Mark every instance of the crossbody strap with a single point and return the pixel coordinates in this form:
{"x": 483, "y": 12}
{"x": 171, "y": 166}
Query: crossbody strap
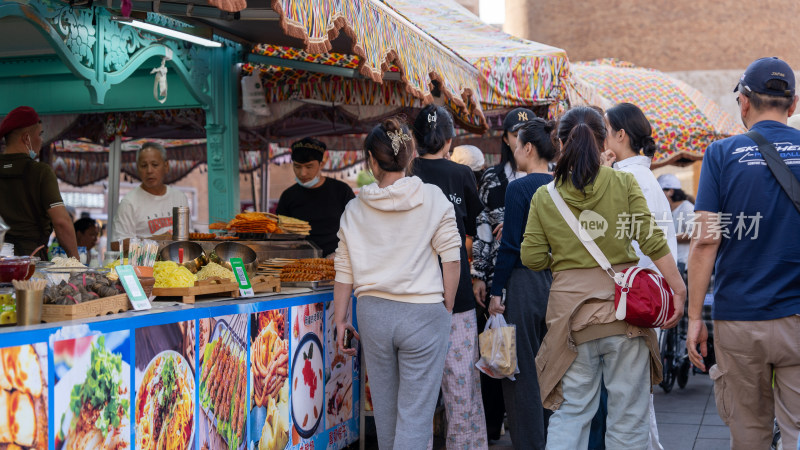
{"x": 575, "y": 226}
{"x": 778, "y": 167}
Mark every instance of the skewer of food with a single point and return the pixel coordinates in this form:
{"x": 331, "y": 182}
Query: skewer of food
{"x": 219, "y": 392}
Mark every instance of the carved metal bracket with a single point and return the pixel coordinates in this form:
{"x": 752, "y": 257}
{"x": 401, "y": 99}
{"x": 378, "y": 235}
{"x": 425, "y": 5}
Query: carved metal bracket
{"x": 75, "y": 33}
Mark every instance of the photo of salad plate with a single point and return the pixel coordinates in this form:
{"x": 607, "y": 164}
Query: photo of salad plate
{"x": 92, "y": 401}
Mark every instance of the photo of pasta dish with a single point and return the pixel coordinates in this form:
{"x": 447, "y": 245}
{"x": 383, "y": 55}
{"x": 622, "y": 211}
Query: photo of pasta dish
{"x": 165, "y": 404}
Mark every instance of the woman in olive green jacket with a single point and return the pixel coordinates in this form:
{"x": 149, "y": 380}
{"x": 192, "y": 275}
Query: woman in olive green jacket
{"x": 585, "y": 342}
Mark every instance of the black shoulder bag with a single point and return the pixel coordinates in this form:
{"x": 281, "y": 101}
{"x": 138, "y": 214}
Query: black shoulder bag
{"x": 782, "y": 173}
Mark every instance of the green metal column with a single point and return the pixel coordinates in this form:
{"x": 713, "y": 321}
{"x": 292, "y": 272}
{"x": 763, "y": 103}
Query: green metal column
{"x": 222, "y": 133}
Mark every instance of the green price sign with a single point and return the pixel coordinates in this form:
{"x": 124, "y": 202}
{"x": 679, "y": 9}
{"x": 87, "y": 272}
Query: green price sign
{"x": 245, "y": 289}
{"x": 133, "y": 288}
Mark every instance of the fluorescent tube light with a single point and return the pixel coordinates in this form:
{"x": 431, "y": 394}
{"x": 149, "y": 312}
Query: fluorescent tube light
{"x": 171, "y": 33}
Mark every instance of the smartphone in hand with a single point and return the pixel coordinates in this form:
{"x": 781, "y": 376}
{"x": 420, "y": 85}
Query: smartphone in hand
{"x": 348, "y": 338}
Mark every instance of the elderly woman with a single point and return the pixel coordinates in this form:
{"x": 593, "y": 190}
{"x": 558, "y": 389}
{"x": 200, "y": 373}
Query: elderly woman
{"x": 147, "y": 210}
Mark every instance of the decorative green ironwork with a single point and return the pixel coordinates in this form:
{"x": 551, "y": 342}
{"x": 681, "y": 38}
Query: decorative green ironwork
{"x": 75, "y": 26}
{"x": 75, "y": 33}
{"x": 104, "y": 53}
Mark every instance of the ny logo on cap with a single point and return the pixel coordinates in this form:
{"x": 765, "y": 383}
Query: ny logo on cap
{"x": 522, "y": 116}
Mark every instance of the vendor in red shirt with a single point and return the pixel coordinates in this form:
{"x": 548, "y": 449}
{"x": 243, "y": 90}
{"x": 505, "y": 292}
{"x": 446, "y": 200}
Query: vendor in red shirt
{"x": 317, "y": 199}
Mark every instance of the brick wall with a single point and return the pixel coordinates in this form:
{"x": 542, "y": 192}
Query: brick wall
{"x": 669, "y": 35}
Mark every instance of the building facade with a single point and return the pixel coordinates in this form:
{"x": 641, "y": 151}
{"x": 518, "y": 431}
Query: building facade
{"x": 706, "y": 43}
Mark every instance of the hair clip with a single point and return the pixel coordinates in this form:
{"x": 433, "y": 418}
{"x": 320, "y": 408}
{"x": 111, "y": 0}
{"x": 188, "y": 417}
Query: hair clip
{"x": 397, "y": 138}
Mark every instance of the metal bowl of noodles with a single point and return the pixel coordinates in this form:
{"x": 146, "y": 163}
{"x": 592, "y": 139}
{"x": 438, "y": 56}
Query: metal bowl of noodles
{"x": 223, "y": 253}
{"x": 193, "y": 255}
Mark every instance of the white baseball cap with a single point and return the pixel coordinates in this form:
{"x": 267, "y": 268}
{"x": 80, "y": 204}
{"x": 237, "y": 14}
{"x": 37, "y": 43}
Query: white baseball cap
{"x": 469, "y": 155}
{"x": 669, "y": 181}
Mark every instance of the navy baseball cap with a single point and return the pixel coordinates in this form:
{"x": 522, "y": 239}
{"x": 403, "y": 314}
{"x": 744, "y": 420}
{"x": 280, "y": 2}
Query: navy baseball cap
{"x": 760, "y": 71}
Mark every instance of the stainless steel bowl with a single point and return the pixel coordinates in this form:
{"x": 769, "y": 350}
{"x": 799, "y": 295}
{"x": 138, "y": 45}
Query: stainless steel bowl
{"x": 193, "y": 255}
{"x": 223, "y": 253}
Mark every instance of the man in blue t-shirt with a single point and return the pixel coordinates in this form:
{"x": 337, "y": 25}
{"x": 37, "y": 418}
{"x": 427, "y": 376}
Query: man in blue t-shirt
{"x": 747, "y": 229}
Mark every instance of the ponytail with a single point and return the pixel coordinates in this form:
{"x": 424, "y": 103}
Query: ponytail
{"x": 629, "y": 117}
{"x": 581, "y": 130}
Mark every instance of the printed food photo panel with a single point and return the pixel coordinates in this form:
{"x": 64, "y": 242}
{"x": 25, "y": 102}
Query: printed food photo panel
{"x": 92, "y": 391}
{"x": 223, "y": 381}
{"x": 269, "y": 370}
{"x": 306, "y": 368}
{"x": 338, "y": 374}
{"x": 165, "y": 386}
{"x": 23, "y": 397}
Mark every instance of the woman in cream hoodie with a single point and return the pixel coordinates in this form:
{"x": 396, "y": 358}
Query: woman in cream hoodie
{"x": 391, "y": 239}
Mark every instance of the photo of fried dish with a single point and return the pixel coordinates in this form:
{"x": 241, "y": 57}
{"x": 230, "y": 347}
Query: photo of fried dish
{"x": 307, "y": 382}
{"x": 269, "y": 369}
{"x": 275, "y": 432}
{"x": 269, "y": 357}
{"x": 223, "y": 384}
{"x": 165, "y": 404}
{"x": 98, "y": 395}
{"x": 23, "y": 397}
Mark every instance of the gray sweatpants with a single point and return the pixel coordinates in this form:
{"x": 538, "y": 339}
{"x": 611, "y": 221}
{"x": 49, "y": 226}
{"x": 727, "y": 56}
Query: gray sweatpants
{"x": 404, "y": 345}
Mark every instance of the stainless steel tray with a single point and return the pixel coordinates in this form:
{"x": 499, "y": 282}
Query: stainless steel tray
{"x": 314, "y": 285}
{"x": 270, "y": 236}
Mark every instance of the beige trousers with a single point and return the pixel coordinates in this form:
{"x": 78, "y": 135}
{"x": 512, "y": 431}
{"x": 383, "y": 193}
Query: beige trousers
{"x": 748, "y": 353}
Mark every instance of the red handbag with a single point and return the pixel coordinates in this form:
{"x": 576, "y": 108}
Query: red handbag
{"x": 642, "y": 297}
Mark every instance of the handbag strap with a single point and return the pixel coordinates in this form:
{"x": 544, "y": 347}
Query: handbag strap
{"x": 575, "y": 226}
{"x": 778, "y": 167}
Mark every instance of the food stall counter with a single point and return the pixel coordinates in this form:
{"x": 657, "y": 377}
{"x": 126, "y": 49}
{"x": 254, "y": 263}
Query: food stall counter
{"x": 260, "y": 372}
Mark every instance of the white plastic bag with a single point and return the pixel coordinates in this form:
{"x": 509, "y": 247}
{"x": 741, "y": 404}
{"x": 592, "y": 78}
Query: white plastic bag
{"x": 498, "y": 345}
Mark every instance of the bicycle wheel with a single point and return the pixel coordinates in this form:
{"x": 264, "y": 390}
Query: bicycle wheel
{"x": 669, "y": 350}
{"x": 683, "y": 373}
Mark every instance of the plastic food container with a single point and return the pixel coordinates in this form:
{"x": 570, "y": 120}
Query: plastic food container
{"x": 15, "y": 268}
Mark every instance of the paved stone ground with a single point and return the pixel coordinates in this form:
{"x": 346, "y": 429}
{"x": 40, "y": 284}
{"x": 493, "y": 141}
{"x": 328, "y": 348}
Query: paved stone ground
{"x": 687, "y": 418}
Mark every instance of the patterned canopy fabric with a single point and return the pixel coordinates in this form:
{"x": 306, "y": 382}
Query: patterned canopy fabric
{"x": 515, "y": 72}
{"x": 282, "y": 84}
{"x": 684, "y": 121}
{"x": 381, "y": 37}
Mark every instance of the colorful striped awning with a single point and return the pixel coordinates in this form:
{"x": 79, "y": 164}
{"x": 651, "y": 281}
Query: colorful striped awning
{"x": 514, "y": 72}
{"x": 381, "y": 38}
{"x": 684, "y": 121}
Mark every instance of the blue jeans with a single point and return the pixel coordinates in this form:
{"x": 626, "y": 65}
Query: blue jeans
{"x": 624, "y": 365}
